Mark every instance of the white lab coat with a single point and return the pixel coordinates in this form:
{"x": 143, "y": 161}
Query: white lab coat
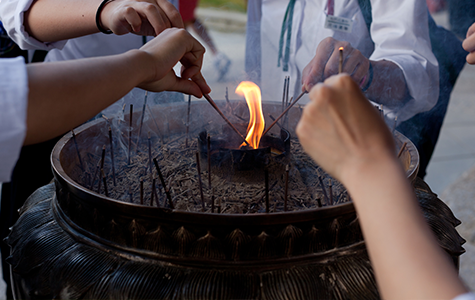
{"x": 399, "y": 31}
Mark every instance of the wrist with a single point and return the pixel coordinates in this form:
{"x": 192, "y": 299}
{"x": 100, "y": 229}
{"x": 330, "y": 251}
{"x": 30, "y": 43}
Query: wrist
{"x": 142, "y": 64}
{"x": 99, "y": 23}
{"x": 372, "y": 168}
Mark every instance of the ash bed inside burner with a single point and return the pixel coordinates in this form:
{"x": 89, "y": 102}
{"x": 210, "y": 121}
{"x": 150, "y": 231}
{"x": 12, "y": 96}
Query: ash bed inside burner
{"x": 236, "y": 184}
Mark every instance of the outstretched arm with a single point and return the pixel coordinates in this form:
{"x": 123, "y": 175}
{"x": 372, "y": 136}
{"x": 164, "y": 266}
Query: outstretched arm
{"x": 343, "y": 133}
{"x": 62, "y": 95}
{"x": 55, "y": 20}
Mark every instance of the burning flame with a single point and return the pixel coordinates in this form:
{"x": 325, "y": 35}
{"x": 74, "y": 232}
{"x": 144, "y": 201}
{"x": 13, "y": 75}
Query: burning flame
{"x": 341, "y": 48}
{"x": 256, "y": 126}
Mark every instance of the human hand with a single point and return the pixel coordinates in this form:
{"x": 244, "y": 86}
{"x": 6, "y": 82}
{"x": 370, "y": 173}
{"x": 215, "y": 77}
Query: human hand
{"x": 469, "y": 44}
{"x": 341, "y": 130}
{"x": 326, "y": 60}
{"x": 142, "y": 17}
{"x": 165, "y": 51}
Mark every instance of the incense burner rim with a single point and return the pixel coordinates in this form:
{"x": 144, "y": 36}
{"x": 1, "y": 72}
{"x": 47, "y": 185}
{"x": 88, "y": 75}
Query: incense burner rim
{"x": 100, "y": 200}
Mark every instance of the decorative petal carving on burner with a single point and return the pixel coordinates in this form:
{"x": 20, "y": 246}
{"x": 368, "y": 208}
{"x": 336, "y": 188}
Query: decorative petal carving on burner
{"x": 288, "y": 238}
{"x": 208, "y": 247}
{"x": 159, "y": 241}
{"x": 184, "y": 238}
{"x": 137, "y": 231}
{"x": 237, "y": 240}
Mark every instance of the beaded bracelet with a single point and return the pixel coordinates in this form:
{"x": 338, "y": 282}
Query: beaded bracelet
{"x": 98, "y": 17}
{"x": 370, "y": 79}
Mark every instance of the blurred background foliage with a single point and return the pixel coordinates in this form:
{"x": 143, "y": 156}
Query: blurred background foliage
{"x": 236, "y": 5}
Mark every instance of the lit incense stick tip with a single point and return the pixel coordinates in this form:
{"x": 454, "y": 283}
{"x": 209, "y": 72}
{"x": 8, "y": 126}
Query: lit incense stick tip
{"x": 340, "y": 65}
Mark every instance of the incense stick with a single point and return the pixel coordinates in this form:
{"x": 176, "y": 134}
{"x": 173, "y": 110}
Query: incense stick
{"x": 402, "y": 149}
{"x": 103, "y": 156}
{"x": 200, "y": 183}
{"x": 330, "y": 191}
{"x": 209, "y": 162}
{"x": 283, "y": 93}
{"x": 150, "y": 153}
{"x": 130, "y": 130}
{"x": 112, "y": 156}
{"x": 213, "y": 104}
{"x": 154, "y": 192}
{"x": 394, "y": 125}
{"x": 226, "y": 96}
{"x": 162, "y": 180}
{"x": 77, "y": 149}
{"x": 188, "y": 121}
{"x": 141, "y": 191}
{"x": 287, "y": 92}
{"x": 284, "y": 112}
{"x": 340, "y": 63}
{"x": 324, "y": 192}
{"x": 286, "y": 191}
{"x": 212, "y": 201}
{"x": 266, "y": 183}
{"x": 151, "y": 193}
{"x": 141, "y": 119}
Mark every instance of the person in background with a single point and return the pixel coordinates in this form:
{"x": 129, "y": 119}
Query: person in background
{"x": 345, "y": 135}
{"x": 44, "y": 100}
{"x": 461, "y": 16}
{"x": 187, "y": 11}
{"x": 387, "y": 49}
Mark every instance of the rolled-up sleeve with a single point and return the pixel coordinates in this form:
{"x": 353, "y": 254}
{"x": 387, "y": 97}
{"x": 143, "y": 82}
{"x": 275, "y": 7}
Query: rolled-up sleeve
{"x": 13, "y": 107}
{"x": 401, "y": 35}
{"x": 12, "y": 13}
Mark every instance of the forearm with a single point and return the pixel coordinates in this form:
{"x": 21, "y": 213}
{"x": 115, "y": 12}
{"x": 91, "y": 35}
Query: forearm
{"x": 55, "y": 20}
{"x": 388, "y": 86}
{"x": 84, "y": 86}
{"x": 408, "y": 264}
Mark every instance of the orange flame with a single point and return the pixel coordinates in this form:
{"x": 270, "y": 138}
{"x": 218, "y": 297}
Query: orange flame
{"x": 256, "y": 126}
{"x": 341, "y": 48}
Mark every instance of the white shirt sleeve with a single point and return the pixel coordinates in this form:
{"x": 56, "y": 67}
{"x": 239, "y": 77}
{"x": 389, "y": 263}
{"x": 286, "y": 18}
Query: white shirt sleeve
{"x": 467, "y": 296}
{"x": 13, "y": 106}
{"x": 401, "y": 34}
{"x": 12, "y": 14}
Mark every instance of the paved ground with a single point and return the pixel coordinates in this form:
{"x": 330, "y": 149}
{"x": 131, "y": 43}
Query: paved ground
{"x": 450, "y": 174}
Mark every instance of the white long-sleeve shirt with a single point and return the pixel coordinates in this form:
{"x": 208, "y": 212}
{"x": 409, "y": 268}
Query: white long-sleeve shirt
{"x": 399, "y": 31}
{"x": 13, "y": 105}
{"x": 12, "y": 16}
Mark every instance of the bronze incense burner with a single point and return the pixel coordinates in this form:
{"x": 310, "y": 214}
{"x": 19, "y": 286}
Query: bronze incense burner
{"x": 72, "y": 242}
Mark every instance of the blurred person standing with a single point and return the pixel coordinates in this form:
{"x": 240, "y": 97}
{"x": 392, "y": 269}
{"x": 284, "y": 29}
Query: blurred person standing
{"x": 187, "y": 10}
